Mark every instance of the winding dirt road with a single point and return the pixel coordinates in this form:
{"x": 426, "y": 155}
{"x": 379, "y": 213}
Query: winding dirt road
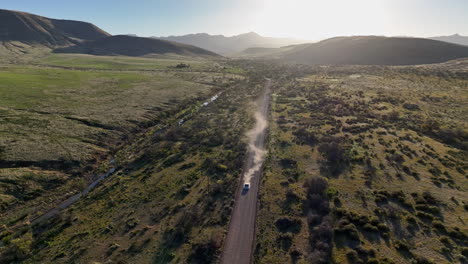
{"x": 238, "y": 246}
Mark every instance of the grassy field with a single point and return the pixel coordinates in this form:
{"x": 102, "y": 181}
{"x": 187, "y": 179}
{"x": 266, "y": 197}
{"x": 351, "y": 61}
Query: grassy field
{"x": 169, "y": 202}
{"x": 366, "y": 165}
{"x": 59, "y": 126}
{"x": 122, "y": 63}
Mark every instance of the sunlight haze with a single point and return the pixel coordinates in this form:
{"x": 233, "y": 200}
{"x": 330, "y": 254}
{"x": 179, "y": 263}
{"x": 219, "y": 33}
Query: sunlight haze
{"x": 302, "y": 19}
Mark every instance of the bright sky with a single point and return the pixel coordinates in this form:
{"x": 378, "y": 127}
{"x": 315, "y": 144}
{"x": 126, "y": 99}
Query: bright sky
{"x": 304, "y": 19}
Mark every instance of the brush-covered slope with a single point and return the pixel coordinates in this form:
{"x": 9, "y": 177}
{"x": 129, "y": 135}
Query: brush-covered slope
{"x": 135, "y": 46}
{"x": 33, "y": 29}
{"x": 373, "y": 50}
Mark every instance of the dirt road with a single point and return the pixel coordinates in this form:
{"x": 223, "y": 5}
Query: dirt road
{"x": 238, "y": 247}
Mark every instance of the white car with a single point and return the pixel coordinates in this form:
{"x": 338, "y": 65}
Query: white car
{"x": 246, "y": 186}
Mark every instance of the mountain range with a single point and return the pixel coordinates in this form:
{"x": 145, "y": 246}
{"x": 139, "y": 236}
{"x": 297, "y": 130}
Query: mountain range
{"x": 456, "y": 39}
{"x": 67, "y": 36}
{"x": 231, "y": 45}
{"x": 366, "y": 50}
{"x": 135, "y": 46}
{"x": 33, "y": 29}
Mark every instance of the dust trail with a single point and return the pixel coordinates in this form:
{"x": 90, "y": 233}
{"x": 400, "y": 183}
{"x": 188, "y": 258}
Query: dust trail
{"x": 258, "y": 153}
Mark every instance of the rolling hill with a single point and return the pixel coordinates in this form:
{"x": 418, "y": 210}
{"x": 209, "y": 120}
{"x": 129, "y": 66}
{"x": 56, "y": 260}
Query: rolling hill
{"x": 231, "y": 45}
{"x": 33, "y": 29}
{"x": 370, "y": 50}
{"x": 135, "y": 46}
{"x": 456, "y": 39}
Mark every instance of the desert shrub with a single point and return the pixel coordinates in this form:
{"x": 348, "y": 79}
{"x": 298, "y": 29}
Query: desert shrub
{"x": 333, "y": 152}
{"x": 393, "y": 116}
{"x": 305, "y": 137}
{"x": 16, "y": 251}
{"x": 287, "y": 224}
{"x": 288, "y": 163}
{"x": 402, "y": 246}
{"x": 205, "y": 252}
{"x": 316, "y": 185}
{"x": 424, "y": 216}
{"x": 411, "y": 219}
{"x": 422, "y": 260}
{"x": 438, "y": 225}
{"x": 320, "y": 223}
{"x": 348, "y": 230}
{"x": 352, "y": 256}
{"x": 457, "y": 234}
{"x": 182, "y": 65}
{"x": 321, "y": 241}
{"x": 411, "y": 107}
{"x": 464, "y": 251}
{"x": 284, "y": 241}
{"x": 380, "y": 198}
{"x": 295, "y": 254}
{"x": 370, "y": 228}
{"x": 428, "y": 209}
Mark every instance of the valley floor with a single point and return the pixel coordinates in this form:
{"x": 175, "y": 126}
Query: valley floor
{"x": 365, "y": 164}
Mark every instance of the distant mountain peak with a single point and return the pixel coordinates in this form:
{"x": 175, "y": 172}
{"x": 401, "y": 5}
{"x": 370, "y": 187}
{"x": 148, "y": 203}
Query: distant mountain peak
{"x": 455, "y": 38}
{"x": 251, "y": 34}
{"x": 231, "y": 45}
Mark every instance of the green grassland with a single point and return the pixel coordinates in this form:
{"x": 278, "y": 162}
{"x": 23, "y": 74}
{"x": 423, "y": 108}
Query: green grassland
{"x": 170, "y": 202}
{"x": 59, "y": 126}
{"x": 161, "y": 62}
{"x": 387, "y": 147}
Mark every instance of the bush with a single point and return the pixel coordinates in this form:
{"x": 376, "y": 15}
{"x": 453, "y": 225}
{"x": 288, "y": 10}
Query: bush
{"x": 349, "y": 230}
{"x": 305, "y": 137}
{"x": 402, "y": 246}
{"x": 286, "y": 224}
{"x": 411, "y": 107}
{"x": 438, "y": 225}
{"x": 16, "y": 251}
{"x": 422, "y": 260}
{"x": 352, "y": 256}
{"x": 464, "y": 251}
{"x": 370, "y": 228}
{"x": 204, "y": 253}
{"x": 316, "y": 185}
{"x": 284, "y": 241}
{"x": 333, "y": 152}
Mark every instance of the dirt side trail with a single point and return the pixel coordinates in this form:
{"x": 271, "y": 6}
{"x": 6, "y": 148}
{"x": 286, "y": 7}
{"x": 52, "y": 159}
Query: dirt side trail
{"x": 238, "y": 247}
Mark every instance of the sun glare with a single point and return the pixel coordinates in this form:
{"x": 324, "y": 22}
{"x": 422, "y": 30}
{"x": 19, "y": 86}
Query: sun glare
{"x": 310, "y": 18}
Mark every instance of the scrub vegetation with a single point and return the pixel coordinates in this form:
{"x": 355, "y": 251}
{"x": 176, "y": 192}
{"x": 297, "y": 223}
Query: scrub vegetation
{"x": 61, "y": 126}
{"x": 367, "y": 165}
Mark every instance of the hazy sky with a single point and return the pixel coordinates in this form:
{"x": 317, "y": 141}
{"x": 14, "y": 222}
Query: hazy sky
{"x": 306, "y": 19}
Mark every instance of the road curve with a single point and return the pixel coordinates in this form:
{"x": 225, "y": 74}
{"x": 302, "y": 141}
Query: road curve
{"x": 238, "y": 246}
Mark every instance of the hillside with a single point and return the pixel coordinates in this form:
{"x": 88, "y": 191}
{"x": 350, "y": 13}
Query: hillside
{"x": 32, "y": 29}
{"x": 372, "y": 50}
{"x": 135, "y": 46}
{"x": 456, "y": 39}
{"x": 230, "y": 45}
